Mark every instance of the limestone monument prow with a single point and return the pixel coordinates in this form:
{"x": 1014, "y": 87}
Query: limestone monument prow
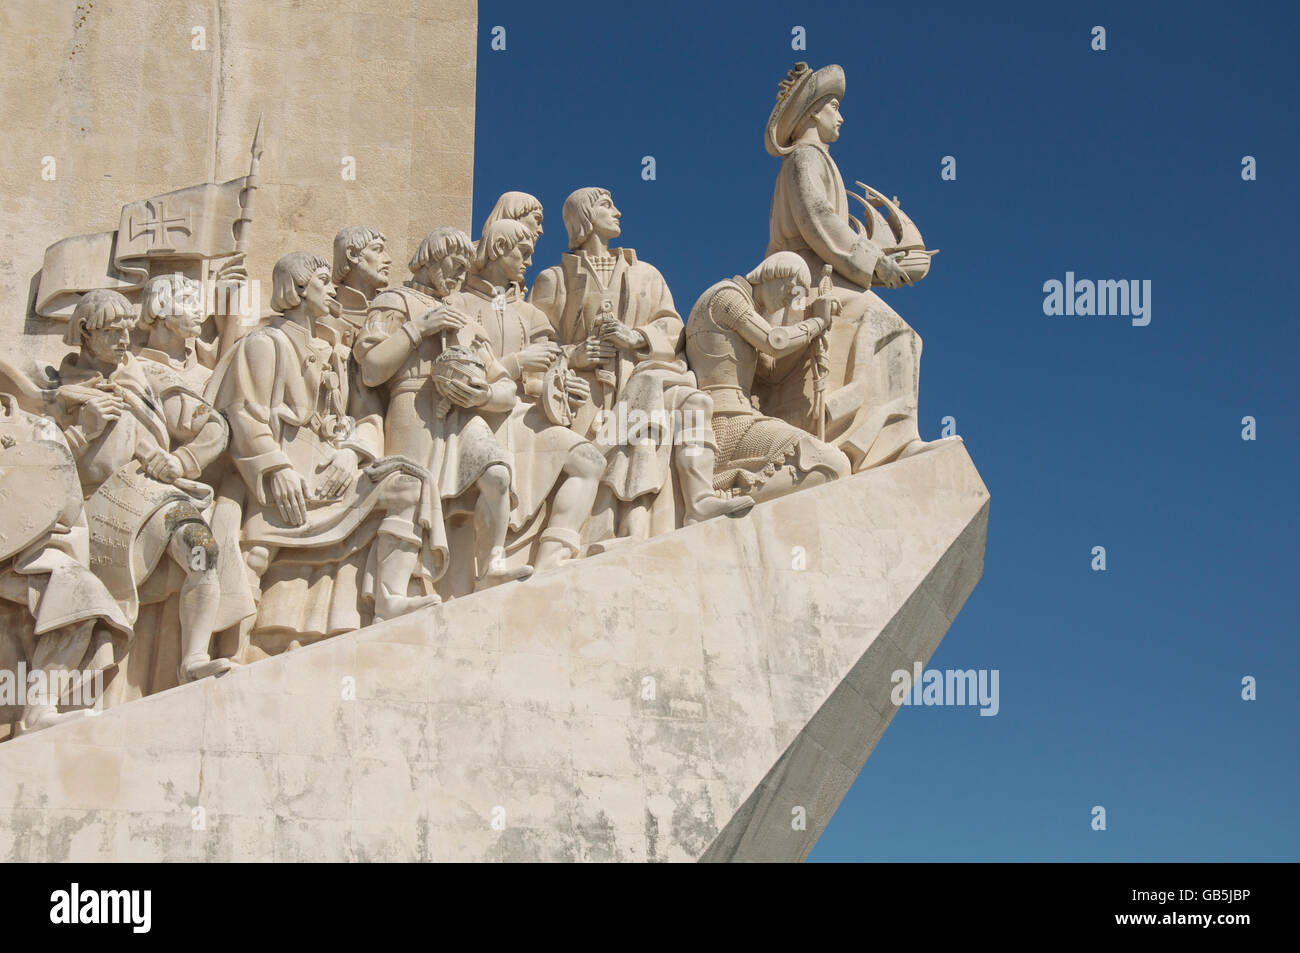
{"x": 546, "y": 530}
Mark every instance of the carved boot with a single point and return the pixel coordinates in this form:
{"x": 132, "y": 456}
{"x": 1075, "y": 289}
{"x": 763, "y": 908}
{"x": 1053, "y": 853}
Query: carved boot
{"x": 695, "y": 471}
{"x": 558, "y": 546}
{"x": 40, "y": 717}
{"x": 497, "y": 573}
{"x": 390, "y": 606}
{"x": 194, "y": 667}
{"x": 397, "y": 557}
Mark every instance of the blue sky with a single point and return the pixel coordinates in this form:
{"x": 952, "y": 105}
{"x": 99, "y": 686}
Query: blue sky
{"x": 1119, "y": 688}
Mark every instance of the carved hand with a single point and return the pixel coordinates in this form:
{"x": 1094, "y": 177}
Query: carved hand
{"x": 591, "y": 353}
{"x": 468, "y": 395}
{"x": 228, "y": 279}
{"x": 338, "y": 476}
{"x": 232, "y": 270}
{"x": 888, "y": 272}
{"x": 539, "y": 356}
{"x": 440, "y": 319}
{"x": 578, "y": 392}
{"x": 289, "y": 490}
{"x": 164, "y": 467}
{"x": 98, "y": 412}
{"x": 621, "y": 336}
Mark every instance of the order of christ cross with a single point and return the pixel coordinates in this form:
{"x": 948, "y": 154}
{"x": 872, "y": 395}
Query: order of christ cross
{"x": 157, "y": 227}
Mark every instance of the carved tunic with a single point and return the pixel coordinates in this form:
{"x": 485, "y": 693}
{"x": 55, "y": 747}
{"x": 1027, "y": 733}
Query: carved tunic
{"x": 875, "y": 355}
{"x": 458, "y": 447}
{"x": 810, "y": 216}
{"x": 653, "y": 381}
{"x": 540, "y": 448}
{"x": 132, "y": 516}
{"x": 287, "y": 398}
{"x": 724, "y": 337}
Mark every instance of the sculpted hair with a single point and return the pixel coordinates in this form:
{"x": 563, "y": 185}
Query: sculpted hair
{"x": 290, "y": 277}
{"x": 162, "y": 297}
{"x": 498, "y": 238}
{"x": 783, "y": 264}
{"x": 97, "y": 309}
{"x": 577, "y": 214}
{"x": 349, "y": 241}
{"x": 513, "y": 205}
{"x": 440, "y": 243}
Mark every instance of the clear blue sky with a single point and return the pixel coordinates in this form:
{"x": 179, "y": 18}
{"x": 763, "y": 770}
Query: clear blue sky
{"x": 1119, "y": 688}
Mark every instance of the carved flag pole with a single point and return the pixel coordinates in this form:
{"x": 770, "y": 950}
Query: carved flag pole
{"x": 249, "y": 193}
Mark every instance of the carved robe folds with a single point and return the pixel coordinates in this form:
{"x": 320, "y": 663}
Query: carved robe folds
{"x": 132, "y": 517}
{"x": 540, "y": 448}
{"x": 458, "y": 447}
{"x": 725, "y": 337}
{"x": 287, "y": 398}
{"x": 653, "y": 384}
{"x": 875, "y": 356}
{"x": 55, "y": 615}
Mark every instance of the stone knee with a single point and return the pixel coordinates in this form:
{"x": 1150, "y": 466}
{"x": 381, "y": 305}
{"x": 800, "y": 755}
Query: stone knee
{"x": 257, "y": 559}
{"x": 400, "y": 491}
{"x": 192, "y": 544}
{"x": 585, "y": 462}
{"x": 495, "y": 480}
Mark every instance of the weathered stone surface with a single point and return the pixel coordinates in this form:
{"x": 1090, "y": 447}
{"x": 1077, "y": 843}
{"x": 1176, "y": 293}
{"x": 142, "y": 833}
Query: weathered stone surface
{"x": 672, "y": 700}
{"x": 115, "y": 93}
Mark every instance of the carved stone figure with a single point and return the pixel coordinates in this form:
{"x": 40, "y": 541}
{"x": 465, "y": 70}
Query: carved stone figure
{"x": 623, "y": 336}
{"x": 413, "y": 335}
{"x": 56, "y": 617}
{"x": 520, "y": 207}
{"x": 867, "y": 400}
{"x": 360, "y": 272}
{"x": 142, "y": 439}
{"x": 727, "y": 337}
{"x": 299, "y": 439}
{"x": 557, "y": 471}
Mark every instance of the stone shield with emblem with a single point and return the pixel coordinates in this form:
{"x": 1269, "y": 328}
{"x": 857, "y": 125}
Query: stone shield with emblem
{"x": 38, "y": 482}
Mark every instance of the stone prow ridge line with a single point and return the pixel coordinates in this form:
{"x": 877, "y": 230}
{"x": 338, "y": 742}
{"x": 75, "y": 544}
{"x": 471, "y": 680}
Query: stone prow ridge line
{"x": 673, "y": 700}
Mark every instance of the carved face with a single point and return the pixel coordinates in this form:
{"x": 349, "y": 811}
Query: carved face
{"x": 183, "y": 311}
{"x": 514, "y": 264}
{"x": 369, "y": 272}
{"x": 533, "y": 220}
{"x": 109, "y": 345}
{"x": 448, "y": 275}
{"x": 777, "y": 294}
{"x": 828, "y": 120}
{"x": 604, "y": 218}
{"x": 318, "y": 293}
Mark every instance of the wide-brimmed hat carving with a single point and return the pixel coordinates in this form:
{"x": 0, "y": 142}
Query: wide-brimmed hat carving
{"x": 796, "y": 95}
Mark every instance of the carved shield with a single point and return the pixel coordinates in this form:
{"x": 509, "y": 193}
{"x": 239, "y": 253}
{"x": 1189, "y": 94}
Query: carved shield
{"x": 38, "y": 481}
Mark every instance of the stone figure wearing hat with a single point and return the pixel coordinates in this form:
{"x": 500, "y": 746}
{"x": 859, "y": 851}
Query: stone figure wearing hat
{"x": 866, "y": 403}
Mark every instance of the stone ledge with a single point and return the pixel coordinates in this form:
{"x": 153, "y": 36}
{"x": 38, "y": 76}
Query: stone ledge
{"x": 670, "y": 701}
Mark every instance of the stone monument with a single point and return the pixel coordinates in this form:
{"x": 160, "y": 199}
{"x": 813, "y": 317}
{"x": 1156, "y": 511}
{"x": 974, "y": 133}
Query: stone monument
{"x": 459, "y": 570}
